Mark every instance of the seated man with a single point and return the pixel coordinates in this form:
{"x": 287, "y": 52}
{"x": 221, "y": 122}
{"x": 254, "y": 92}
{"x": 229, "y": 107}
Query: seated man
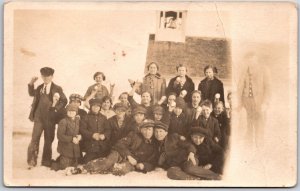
{"x": 178, "y": 156}
{"x": 137, "y": 152}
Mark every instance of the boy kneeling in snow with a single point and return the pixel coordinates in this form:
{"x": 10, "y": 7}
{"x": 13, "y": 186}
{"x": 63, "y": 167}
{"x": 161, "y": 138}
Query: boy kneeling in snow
{"x": 68, "y": 140}
{"x": 137, "y": 151}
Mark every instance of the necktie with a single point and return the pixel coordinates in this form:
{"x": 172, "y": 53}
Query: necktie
{"x": 45, "y": 89}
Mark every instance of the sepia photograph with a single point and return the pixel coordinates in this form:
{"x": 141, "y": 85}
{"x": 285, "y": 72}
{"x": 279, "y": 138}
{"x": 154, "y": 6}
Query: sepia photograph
{"x": 150, "y": 94}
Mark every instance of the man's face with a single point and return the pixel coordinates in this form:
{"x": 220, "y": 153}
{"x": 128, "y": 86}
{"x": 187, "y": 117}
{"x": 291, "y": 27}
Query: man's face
{"x": 181, "y": 71}
{"x": 152, "y": 69}
{"x": 99, "y": 78}
{"x": 197, "y": 139}
{"x": 196, "y": 98}
{"x": 95, "y": 109}
{"x": 157, "y": 116}
{"x": 171, "y": 99}
{"x": 106, "y": 105}
{"x": 124, "y": 98}
{"x": 160, "y": 134}
{"x": 147, "y": 132}
{"x": 146, "y": 99}
{"x": 209, "y": 73}
{"x": 218, "y": 109}
{"x": 177, "y": 111}
{"x": 75, "y": 103}
{"x": 47, "y": 79}
{"x": 71, "y": 114}
{"x": 120, "y": 113}
{"x": 206, "y": 111}
{"x": 139, "y": 118}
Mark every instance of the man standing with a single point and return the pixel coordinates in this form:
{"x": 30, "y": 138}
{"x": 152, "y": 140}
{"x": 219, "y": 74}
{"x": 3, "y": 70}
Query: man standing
{"x": 48, "y": 100}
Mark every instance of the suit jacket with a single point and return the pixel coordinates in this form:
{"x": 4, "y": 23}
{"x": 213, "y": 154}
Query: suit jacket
{"x": 62, "y": 102}
{"x": 211, "y": 126}
{"x": 189, "y": 86}
{"x": 209, "y": 92}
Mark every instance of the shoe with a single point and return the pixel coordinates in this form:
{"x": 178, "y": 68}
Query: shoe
{"x": 31, "y": 164}
{"x": 46, "y": 164}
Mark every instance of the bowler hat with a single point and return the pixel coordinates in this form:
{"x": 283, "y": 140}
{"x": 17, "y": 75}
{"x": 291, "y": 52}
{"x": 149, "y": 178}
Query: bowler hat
{"x": 139, "y": 109}
{"x": 198, "y": 131}
{"x": 161, "y": 125}
{"x": 95, "y": 101}
{"x": 46, "y": 71}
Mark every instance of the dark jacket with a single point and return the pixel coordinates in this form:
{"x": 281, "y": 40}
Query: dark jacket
{"x": 62, "y": 102}
{"x": 179, "y": 125}
{"x": 117, "y": 132}
{"x": 134, "y": 104}
{"x": 176, "y": 150}
{"x": 211, "y": 125}
{"x": 95, "y": 123}
{"x": 224, "y": 124}
{"x": 67, "y": 129}
{"x": 136, "y": 146}
{"x": 189, "y": 86}
{"x": 209, "y": 88}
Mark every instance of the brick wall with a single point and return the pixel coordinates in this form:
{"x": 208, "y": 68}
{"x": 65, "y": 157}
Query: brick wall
{"x": 195, "y": 53}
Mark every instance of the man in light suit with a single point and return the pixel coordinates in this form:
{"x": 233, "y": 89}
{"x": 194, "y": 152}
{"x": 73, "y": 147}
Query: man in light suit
{"x": 253, "y": 94}
{"x": 48, "y": 100}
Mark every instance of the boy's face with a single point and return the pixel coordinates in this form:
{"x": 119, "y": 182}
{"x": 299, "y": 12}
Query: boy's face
{"x": 177, "y": 111}
{"x": 120, "y": 113}
{"x": 209, "y": 73}
{"x": 206, "y": 111}
{"x": 160, "y": 134}
{"x": 106, "y": 105}
{"x": 75, "y": 103}
{"x": 146, "y": 99}
{"x": 71, "y": 114}
{"x": 99, "y": 78}
{"x": 47, "y": 79}
{"x": 152, "y": 69}
{"x": 139, "y": 118}
{"x": 157, "y": 116}
{"x": 196, "y": 98}
{"x": 171, "y": 98}
{"x": 147, "y": 132}
{"x": 218, "y": 109}
{"x": 197, "y": 139}
{"x": 124, "y": 98}
{"x": 95, "y": 109}
{"x": 181, "y": 71}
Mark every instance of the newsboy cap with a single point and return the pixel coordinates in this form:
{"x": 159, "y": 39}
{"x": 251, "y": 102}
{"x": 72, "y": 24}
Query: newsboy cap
{"x": 180, "y": 102}
{"x": 75, "y": 97}
{"x": 139, "y": 109}
{"x": 161, "y": 125}
{"x": 46, "y": 71}
{"x": 147, "y": 123}
{"x": 120, "y": 106}
{"x": 198, "y": 131}
{"x": 158, "y": 109}
{"x": 95, "y": 101}
{"x": 71, "y": 108}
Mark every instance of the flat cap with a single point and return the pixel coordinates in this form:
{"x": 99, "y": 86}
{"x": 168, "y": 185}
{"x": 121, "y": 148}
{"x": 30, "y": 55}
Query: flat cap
{"x": 46, "y": 71}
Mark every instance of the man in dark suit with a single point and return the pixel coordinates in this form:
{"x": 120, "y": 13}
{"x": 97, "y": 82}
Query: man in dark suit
{"x": 211, "y": 87}
{"x": 48, "y": 100}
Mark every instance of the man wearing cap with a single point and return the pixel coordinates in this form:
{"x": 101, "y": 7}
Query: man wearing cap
{"x": 178, "y": 119}
{"x": 68, "y": 140}
{"x": 174, "y": 153}
{"x": 119, "y": 124}
{"x": 138, "y": 114}
{"x": 95, "y": 132}
{"x": 137, "y": 151}
{"x": 209, "y": 155}
{"x": 159, "y": 114}
{"x": 48, "y": 100}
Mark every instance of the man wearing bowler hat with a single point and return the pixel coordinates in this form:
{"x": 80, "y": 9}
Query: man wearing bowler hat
{"x": 48, "y": 100}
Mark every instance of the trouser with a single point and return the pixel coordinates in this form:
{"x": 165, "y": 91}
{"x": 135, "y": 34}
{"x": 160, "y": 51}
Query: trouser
{"x": 255, "y": 126}
{"x": 33, "y": 148}
{"x": 93, "y": 155}
{"x": 63, "y": 162}
{"x": 191, "y": 172}
{"x": 107, "y": 165}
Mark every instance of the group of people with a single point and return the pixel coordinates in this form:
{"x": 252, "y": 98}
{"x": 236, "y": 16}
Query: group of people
{"x": 174, "y": 127}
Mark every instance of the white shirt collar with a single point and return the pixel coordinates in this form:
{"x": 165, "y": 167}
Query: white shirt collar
{"x": 48, "y": 87}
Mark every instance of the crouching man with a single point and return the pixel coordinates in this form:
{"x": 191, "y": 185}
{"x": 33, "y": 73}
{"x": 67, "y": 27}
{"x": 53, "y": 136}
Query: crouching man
{"x": 137, "y": 151}
{"x": 178, "y": 157}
